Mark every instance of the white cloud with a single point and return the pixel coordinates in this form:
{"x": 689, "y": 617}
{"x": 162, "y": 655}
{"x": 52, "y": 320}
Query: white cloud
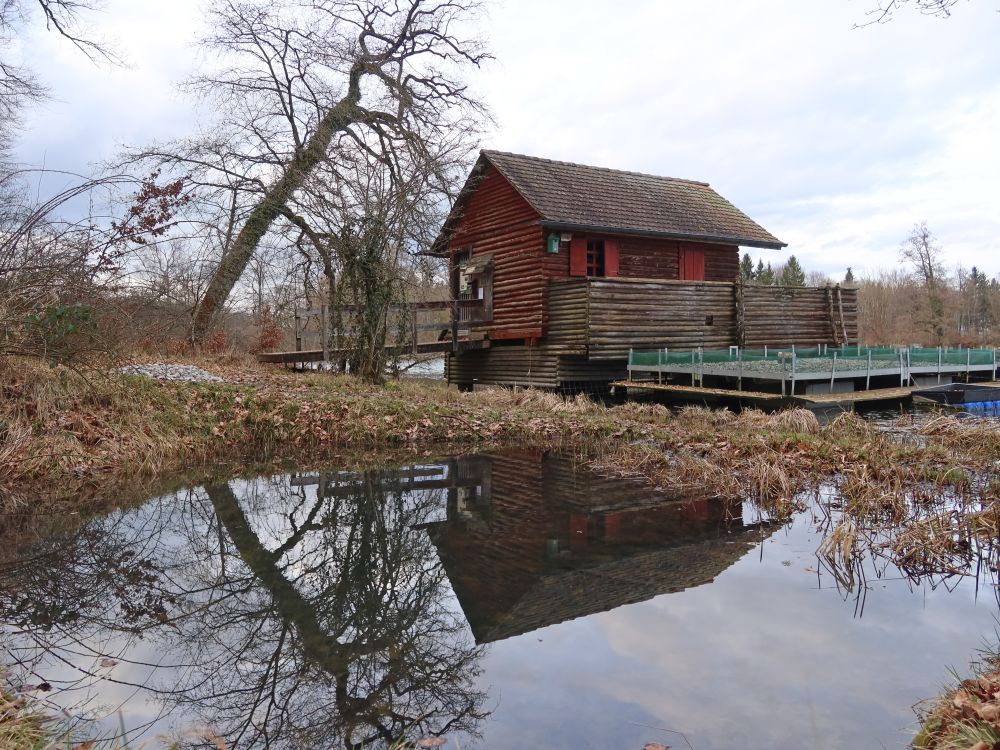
{"x": 836, "y": 139}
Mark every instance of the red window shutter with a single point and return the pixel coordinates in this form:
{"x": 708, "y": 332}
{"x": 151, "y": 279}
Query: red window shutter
{"x": 578, "y": 257}
{"x": 610, "y": 258}
{"x": 692, "y": 264}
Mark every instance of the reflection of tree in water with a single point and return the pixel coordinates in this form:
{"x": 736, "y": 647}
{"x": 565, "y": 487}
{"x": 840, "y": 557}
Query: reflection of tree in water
{"x": 307, "y": 619}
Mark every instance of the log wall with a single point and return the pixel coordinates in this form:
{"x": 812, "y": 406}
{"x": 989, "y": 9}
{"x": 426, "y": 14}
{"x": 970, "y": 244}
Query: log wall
{"x": 498, "y": 220}
{"x": 806, "y": 316}
{"x": 623, "y": 315}
{"x": 530, "y": 366}
{"x": 593, "y": 323}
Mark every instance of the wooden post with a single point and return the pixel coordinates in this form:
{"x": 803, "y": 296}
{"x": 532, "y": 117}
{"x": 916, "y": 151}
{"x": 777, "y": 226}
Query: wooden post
{"x": 739, "y": 357}
{"x": 454, "y": 326}
{"x": 298, "y": 331}
{"x": 840, "y": 305}
{"x": 868, "y": 377}
{"x": 741, "y": 323}
{"x": 323, "y": 333}
{"x": 833, "y": 321}
{"x": 413, "y": 326}
{"x": 833, "y": 375}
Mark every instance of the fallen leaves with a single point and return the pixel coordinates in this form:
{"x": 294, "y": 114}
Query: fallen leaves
{"x": 430, "y": 742}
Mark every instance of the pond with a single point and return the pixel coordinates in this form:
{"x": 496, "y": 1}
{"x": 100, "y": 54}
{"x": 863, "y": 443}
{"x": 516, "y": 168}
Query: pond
{"x": 501, "y": 601}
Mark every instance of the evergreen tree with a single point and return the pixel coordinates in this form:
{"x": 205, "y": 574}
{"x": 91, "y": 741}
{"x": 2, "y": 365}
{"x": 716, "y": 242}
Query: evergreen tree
{"x": 792, "y": 274}
{"x": 983, "y": 309}
{"x": 765, "y": 275}
{"x": 746, "y": 268}
{"x": 758, "y": 272}
{"x": 849, "y": 276}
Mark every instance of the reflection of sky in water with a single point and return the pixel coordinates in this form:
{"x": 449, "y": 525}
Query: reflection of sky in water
{"x": 762, "y": 657}
{"x": 768, "y": 655}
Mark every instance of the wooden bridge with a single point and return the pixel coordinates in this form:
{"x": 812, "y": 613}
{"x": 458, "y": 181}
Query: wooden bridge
{"x": 426, "y": 328}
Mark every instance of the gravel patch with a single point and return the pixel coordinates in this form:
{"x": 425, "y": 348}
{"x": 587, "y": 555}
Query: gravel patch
{"x": 166, "y": 371}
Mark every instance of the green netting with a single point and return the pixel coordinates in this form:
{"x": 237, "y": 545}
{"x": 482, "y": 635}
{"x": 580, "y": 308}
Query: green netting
{"x": 682, "y": 358}
{"x": 953, "y": 357}
{"x": 644, "y": 358}
{"x": 812, "y": 359}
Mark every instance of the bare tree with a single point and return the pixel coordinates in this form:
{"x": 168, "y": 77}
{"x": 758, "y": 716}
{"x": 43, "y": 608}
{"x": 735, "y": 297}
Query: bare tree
{"x": 285, "y": 617}
{"x": 323, "y": 83}
{"x": 923, "y": 253}
{"x": 884, "y": 11}
{"x": 53, "y": 269}
{"x": 18, "y": 84}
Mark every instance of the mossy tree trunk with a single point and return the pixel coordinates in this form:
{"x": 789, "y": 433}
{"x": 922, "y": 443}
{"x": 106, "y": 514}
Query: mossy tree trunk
{"x": 272, "y": 204}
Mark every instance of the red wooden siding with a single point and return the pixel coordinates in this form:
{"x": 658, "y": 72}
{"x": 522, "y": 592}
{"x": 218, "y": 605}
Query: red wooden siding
{"x": 498, "y": 220}
{"x": 650, "y": 258}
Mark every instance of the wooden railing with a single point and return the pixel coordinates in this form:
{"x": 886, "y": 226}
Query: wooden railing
{"x": 411, "y": 325}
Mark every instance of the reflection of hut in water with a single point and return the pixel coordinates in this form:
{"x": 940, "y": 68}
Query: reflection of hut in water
{"x": 534, "y": 543}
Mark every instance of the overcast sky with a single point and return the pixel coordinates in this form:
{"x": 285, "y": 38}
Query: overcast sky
{"x": 836, "y": 139}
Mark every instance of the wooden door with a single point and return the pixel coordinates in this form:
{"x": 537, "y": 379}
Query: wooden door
{"x": 691, "y": 265}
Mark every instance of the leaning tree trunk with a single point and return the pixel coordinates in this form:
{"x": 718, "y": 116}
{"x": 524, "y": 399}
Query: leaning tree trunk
{"x": 236, "y": 257}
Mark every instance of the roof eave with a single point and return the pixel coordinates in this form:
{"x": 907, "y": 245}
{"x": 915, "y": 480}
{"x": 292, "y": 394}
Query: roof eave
{"x": 692, "y": 236}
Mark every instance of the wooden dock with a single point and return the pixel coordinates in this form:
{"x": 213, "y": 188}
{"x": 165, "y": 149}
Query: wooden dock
{"x": 773, "y": 400}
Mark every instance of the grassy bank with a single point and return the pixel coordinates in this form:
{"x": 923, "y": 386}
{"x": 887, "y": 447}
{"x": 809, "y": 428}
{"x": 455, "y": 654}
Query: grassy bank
{"x": 967, "y": 716}
{"x": 66, "y": 437}
{"x": 920, "y": 494}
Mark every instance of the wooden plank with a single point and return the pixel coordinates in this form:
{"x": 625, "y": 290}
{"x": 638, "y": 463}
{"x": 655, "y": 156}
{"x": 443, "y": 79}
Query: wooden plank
{"x": 698, "y": 392}
{"x": 876, "y": 394}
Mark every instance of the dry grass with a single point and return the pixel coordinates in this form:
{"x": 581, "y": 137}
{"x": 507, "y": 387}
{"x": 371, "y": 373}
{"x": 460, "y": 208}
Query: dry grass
{"x": 61, "y": 434}
{"x": 967, "y": 716}
{"x": 23, "y": 726}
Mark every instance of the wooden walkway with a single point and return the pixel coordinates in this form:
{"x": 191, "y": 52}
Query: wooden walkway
{"x": 317, "y": 355}
{"x": 455, "y": 331}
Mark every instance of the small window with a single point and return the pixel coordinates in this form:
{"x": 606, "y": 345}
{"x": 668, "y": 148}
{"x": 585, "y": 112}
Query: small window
{"x": 595, "y": 257}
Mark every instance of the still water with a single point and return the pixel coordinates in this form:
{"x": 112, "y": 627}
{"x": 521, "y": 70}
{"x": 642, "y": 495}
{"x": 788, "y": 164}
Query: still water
{"x": 499, "y": 601}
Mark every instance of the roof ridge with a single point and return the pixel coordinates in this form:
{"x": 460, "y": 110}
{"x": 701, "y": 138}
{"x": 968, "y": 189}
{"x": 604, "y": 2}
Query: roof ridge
{"x": 487, "y": 152}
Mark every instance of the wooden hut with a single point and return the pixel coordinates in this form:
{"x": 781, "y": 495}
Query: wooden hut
{"x": 539, "y": 542}
{"x": 564, "y": 268}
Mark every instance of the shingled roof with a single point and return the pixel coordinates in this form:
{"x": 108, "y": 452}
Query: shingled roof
{"x": 577, "y": 197}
